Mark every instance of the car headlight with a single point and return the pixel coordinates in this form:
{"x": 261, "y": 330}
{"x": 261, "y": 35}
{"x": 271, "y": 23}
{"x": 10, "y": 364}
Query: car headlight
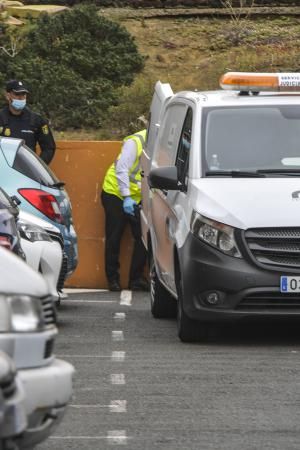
{"x": 20, "y": 313}
{"x": 214, "y": 233}
{"x": 32, "y": 232}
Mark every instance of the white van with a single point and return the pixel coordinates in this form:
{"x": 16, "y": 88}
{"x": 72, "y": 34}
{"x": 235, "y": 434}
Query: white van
{"x": 13, "y": 420}
{"x": 221, "y": 221}
{"x": 27, "y": 336}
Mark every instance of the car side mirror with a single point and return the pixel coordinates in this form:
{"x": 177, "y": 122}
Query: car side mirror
{"x": 164, "y": 178}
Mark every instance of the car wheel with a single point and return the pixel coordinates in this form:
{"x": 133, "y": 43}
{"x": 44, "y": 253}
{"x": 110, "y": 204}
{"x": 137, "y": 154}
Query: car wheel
{"x": 163, "y": 305}
{"x": 188, "y": 330}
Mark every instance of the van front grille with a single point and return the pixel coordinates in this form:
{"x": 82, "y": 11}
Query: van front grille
{"x": 48, "y": 348}
{"x": 63, "y": 272}
{"x": 8, "y": 386}
{"x": 270, "y": 301}
{"x": 275, "y": 246}
{"x": 49, "y": 312}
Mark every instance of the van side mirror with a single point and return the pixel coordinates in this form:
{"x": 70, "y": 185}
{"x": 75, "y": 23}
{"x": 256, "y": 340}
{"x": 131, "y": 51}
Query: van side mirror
{"x": 164, "y": 178}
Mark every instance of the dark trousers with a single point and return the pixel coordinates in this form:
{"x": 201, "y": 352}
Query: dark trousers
{"x": 115, "y": 223}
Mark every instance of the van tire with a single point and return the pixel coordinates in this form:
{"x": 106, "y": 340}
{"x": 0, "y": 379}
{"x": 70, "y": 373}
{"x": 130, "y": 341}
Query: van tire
{"x": 188, "y": 330}
{"x": 163, "y": 305}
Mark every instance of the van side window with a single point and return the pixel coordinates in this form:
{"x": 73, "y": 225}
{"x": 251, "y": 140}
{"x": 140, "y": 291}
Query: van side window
{"x": 169, "y": 135}
{"x": 183, "y": 154}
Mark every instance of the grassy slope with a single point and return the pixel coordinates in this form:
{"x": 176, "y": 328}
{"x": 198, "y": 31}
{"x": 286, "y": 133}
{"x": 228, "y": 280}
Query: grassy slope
{"x": 192, "y": 52}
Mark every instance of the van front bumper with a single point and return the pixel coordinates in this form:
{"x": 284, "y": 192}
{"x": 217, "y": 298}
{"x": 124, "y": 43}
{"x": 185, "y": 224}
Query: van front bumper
{"x": 47, "y": 393}
{"x": 244, "y": 289}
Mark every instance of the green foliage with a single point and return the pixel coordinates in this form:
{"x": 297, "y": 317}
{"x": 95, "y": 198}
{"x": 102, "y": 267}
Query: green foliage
{"x": 133, "y": 103}
{"x": 73, "y": 63}
{"x": 160, "y": 3}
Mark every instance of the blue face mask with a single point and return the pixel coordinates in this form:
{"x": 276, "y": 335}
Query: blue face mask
{"x": 18, "y": 104}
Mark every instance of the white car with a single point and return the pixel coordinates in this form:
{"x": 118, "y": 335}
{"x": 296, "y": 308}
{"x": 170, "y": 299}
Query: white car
{"x": 42, "y": 244}
{"x": 221, "y": 218}
{"x": 27, "y": 335}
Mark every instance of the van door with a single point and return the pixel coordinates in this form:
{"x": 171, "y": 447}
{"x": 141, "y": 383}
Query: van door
{"x": 163, "y": 215}
{"x": 162, "y": 92}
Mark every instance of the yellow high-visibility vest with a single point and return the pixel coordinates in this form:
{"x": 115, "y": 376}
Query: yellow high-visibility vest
{"x": 110, "y": 184}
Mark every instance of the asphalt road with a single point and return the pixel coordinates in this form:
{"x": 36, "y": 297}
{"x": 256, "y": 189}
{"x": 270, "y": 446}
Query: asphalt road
{"x": 139, "y": 387}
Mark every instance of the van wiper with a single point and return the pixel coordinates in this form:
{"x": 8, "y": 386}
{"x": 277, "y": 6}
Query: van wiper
{"x": 289, "y": 172}
{"x": 58, "y": 185}
{"x": 235, "y": 173}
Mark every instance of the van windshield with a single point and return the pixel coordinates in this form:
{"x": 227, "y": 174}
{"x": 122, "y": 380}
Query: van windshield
{"x": 251, "y": 138}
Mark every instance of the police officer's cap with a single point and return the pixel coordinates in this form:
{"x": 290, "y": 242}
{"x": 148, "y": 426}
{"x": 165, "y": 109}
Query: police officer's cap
{"x": 16, "y": 86}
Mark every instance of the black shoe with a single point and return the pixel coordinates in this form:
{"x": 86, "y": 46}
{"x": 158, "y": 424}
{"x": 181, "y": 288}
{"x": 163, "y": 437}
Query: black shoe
{"x": 114, "y": 286}
{"x": 139, "y": 285}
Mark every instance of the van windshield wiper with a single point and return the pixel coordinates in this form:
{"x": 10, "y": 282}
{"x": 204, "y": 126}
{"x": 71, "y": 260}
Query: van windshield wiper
{"x": 235, "y": 173}
{"x": 289, "y": 172}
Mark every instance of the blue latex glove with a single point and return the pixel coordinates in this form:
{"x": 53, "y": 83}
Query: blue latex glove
{"x": 128, "y": 205}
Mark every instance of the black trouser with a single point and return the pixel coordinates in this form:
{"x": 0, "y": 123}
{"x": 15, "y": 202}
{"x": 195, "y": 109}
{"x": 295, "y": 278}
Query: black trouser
{"x": 115, "y": 223}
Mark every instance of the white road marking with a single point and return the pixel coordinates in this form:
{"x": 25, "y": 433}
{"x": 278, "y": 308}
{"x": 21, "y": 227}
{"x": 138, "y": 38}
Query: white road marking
{"x": 89, "y": 301}
{"x": 126, "y": 298}
{"x": 114, "y": 437}
{"x": 117, "y": 378}
{"x": 117, "y": 437}
{"x": 118, "y": 356}
{"x": 119, "y": 406}
{"x": 120, "y": 316}
{"x": 78, "y": 437}
{"x": 80, "y": 291}
{"x": 89, "y": 406}
{"x": 84, "y": 356}
{"x": 117, "y": 335}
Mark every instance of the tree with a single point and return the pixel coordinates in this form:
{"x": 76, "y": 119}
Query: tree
{"x": 73, "y": 63}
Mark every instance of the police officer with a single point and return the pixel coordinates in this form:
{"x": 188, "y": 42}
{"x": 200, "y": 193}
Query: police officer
{"x": 18, "y": 121}
{"x": 121, "y": 195}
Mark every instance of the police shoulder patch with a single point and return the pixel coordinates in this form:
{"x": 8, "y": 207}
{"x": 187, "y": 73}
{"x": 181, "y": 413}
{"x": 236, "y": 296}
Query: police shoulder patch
{"x": 45, "y": 129}
{"x": 7, "y": 132}
{"x": 1, "y": 130}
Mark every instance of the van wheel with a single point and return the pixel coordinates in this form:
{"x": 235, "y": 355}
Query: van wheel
{"x": 188, "y": 330}
{"x": 163, "y": 305}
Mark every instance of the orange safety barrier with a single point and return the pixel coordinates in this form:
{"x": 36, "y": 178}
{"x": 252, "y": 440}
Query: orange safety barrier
{"x": 82, "y": 166}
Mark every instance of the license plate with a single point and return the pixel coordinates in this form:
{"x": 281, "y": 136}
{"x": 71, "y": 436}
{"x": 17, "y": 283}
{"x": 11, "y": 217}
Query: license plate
{"x": 289, "y": 284}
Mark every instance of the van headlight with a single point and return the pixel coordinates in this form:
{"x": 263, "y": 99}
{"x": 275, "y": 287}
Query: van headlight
{"x": 20, "y": 313}
{"x": 215, "y": 233}
{"x": 32, "y": 232}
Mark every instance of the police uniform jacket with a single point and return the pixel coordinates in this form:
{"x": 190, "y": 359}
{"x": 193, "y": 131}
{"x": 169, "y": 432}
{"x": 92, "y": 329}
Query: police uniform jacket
{"x": 30, "y": 127}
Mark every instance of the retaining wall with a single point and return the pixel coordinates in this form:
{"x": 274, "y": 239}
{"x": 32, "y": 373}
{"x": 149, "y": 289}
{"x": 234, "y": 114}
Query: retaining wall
{"x": 82, "y": 166}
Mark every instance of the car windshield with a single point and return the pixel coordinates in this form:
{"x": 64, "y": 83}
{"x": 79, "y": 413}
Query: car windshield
{"x": 251, "y": 138}
{"x": 33, "y": 167}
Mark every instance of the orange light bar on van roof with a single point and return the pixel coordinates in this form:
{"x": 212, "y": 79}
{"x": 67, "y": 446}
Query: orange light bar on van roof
{"x": 255, "y": 82}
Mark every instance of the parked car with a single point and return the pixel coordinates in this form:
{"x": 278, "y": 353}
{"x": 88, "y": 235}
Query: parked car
{"x": 221, "y": 220}
{"x": 24, "y": 175}
{"x": 38, "y": 241}
{"x": 27, "y": 335}
{"x": 42, "y": 243}
{"x": 13, "y": 420}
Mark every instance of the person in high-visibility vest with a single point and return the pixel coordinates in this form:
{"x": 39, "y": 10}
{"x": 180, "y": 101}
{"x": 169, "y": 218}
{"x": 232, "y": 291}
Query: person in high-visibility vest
{"x": 121, "y": 197}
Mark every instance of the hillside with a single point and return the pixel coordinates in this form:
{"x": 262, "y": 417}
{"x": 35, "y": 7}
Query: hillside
{"x": 190, "y": 50}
